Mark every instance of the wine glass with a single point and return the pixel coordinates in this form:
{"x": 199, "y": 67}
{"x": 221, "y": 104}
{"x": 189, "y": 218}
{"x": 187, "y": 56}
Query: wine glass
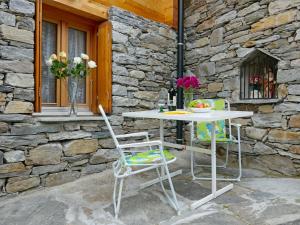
{"x": 161, "y": 104}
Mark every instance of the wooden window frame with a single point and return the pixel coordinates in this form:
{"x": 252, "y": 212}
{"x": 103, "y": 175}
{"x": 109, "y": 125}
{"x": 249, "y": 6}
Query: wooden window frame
{"x": 62, "y": 45}
{"x": 100, "y": 79}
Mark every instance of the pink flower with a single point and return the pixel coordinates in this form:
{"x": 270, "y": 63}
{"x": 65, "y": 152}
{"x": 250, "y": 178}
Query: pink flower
{"x": 194, "y": 82}
{"x": 180, "y": 82}
{"x": 188, "y": 82}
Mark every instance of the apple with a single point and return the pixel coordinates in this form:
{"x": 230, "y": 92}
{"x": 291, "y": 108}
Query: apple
{"x": 200, "y": 105}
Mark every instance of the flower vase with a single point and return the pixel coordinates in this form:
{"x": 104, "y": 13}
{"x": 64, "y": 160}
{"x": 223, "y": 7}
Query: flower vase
{"x": 188, "y": 97}
{"x": 73, "y": 89}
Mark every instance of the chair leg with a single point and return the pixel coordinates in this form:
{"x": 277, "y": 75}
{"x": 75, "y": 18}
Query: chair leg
{"x": 227, "y": 153}
{"x": 162, "y": 171}
{"x": 117, "y": 202}
{"x": 160, "y": 179}
{"x": 172, "y": 187}
{"x": 239, "y": 156}
{"x": 192, "y": 165}
{"x": 224, "y": 165}
{"x": 238, "y": 178}
{"x": 173, "y": 201}
{"x": 114, "y": 196}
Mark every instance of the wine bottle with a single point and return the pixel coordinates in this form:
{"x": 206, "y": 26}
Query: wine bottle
{"x": 171, "y": 97}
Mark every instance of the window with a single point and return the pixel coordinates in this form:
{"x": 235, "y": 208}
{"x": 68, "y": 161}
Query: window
{"x": 63, "y": 31}
{"x": 258, "y": 76}
{"x": 73, "y": 38}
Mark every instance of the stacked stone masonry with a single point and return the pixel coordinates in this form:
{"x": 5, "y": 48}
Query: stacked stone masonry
{"x": 34, "y": 153}
{"x": 219, "y": 35}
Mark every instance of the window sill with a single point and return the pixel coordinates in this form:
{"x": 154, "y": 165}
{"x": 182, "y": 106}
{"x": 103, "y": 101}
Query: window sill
{"x": 257, "y": 101}
{"x": 60, "y": 114}
{"x": 53, "y": 110}
{"x": 53, "y": 119}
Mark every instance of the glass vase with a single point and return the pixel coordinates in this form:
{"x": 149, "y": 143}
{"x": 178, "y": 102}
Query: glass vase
{"x": 188, "y": 97}
{"x": 73, "y": 90}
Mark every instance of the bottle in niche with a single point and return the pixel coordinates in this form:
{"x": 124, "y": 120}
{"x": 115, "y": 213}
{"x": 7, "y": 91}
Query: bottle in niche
{"x": 172, "y": 97}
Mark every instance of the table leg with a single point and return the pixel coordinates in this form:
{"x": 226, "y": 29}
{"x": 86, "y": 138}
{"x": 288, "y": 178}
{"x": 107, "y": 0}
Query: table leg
{"x": 161, "y": 130}
{"x": 192, "y": 152}
{"x": 214, "y": 192}
{"x": 161, "y": 135}
{"x": 213, "y": 160}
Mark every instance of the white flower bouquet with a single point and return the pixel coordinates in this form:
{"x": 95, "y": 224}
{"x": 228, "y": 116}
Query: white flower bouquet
{"x": 61, "y": 67}
{"x": 77, "y": 69}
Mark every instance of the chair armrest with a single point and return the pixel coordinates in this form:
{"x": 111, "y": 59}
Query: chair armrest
{"x": 237, "y": 125}
{"x": 132, "y": 135}
{"x": 140, "y": 144}
{"x": 133, "y": 151}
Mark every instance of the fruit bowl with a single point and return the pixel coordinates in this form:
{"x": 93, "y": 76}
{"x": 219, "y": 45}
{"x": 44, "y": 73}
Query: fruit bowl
{"x": 201, "y": 110}
{"x": 198, "y": 106}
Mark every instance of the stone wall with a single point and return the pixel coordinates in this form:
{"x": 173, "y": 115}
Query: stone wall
{"x": 219, "y": 34}
{"x": 16, "y": 57}
{"x": 37, "y": 152}
{"x": 144, "y": 60}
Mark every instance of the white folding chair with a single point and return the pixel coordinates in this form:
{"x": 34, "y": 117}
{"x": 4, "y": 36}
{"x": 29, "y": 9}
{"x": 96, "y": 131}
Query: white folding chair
{"x": 133, "y": 160}
{"x": 203, "y": 135}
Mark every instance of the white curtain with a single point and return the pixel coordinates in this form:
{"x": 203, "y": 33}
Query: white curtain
{"x": 77, "y": 45}
{"x": 49, "y": 46}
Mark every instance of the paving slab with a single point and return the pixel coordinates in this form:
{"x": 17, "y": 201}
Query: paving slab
{"x": 88, "y": 201}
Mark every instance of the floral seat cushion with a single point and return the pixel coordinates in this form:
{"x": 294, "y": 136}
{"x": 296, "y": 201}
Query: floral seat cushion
{"x": 204, "y": 131}
{"x": 148, "y": 157}
{"x": 204, "y": 128}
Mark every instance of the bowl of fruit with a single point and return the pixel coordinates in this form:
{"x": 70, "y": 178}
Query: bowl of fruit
{"x": 199, "y": 107}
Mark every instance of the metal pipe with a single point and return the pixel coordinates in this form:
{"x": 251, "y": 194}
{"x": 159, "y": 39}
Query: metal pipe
{"x": 180, "y": 67}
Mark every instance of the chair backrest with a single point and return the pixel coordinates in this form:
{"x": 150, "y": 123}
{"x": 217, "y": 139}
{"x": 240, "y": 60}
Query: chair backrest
{"x": 204, "y": 128}
{"x": 112, "y": 133}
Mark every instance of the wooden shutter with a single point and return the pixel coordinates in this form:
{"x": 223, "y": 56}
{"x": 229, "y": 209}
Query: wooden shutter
{"x": 38, "y": 55}
{"x": 104, "y": 67}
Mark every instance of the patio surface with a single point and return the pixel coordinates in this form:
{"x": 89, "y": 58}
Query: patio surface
{"x": 87, "y": 201}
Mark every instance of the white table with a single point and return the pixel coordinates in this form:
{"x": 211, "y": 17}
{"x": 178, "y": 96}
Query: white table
{"x": 212, "y": 117}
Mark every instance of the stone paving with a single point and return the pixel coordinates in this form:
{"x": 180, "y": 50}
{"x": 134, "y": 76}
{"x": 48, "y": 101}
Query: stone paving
{"x": 255, "y": 200}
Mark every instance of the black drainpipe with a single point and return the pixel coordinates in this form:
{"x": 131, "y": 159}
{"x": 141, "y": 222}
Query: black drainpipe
{"x": 180, "y": 67}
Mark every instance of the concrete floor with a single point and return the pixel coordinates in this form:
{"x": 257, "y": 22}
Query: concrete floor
{"x": 255, "y": 200}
